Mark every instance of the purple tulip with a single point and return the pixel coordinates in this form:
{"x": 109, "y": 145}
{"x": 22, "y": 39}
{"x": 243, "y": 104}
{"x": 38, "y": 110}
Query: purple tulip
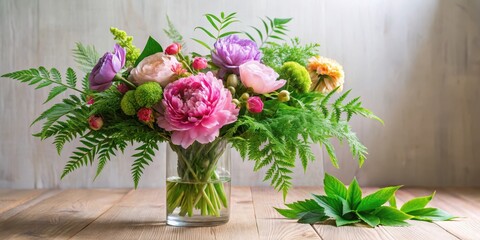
{"x": 107, "y": 67}
{"x": 230, "y": 52}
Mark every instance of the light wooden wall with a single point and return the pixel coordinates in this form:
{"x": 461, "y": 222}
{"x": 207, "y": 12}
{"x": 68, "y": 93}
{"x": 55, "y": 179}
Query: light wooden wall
{"x": 415, "y": 63}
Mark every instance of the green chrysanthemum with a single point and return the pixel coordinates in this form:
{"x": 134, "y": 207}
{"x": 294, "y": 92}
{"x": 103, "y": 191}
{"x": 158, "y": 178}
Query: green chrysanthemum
{"x": 125, "y": 41}
{"x": 129, "y": 104}
{"x": 148, "y": 94}
{"x": 297, "y": 76}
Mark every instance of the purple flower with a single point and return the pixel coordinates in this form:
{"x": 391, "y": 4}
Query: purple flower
{"x": 107, "y": 67}
{"x": 230, "y": 52}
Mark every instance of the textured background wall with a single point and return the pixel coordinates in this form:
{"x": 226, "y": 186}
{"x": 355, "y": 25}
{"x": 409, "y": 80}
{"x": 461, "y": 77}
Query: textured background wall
{"x": 415, "y": 63}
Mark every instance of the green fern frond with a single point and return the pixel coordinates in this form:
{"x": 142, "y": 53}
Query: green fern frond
{"x": 173, "y": 33}
{"x": 143, "y": 157}
{"x": 85, "y": 56}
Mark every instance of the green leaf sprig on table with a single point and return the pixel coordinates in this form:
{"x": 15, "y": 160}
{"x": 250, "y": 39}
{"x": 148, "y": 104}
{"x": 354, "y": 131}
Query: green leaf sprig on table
{"x": 346, "y": 206}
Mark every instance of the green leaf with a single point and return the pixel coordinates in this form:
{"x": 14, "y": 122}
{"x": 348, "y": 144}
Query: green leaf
{"x": 150, "y": 48}
{"x": 369, "y": 218}
{"x": 333, "y": 206}
{"x": 431, "y": 214}
{"x": 354, "y": 194}
{"x": 227, "y": 33}
{"x": 392, "y": 201}
{"x": 71, "y": 78}
{"x": 296, "y": 209}
{"x": 342, "y": 222}
{"x": 334, "y": 187}
{"x": 209, "y": 18}
{"x": 206, "y": 31}
{"x": 377, "y": 198}
{"x": 390, "y": 216}
{"x": 202, "y": 43}
{"x": 55, "y": 91}
{"x": 313, "y": 216}
{"x": 416, "y": 203}
{"x": 281, "y": 21}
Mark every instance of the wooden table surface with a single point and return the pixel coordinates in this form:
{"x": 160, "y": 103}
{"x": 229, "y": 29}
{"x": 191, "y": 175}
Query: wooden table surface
{"x": 140, "y": 214}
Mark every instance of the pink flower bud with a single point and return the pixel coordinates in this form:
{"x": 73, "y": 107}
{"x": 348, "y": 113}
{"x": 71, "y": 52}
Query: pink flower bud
{"x": 145, "y": 115}
{"x": 90, "y": 100}
{"x": 95, "y": 122}
{"x": 122, "y": 88}
{"x": 255, "y": 104}
{"x": 199, "y": 63}
{"x": 173, "y": 49}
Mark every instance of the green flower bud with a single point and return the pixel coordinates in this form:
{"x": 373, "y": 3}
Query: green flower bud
{"x": 297, "y": 76}
{"x": 232, "y": 90}
{"x": 284, "y": 96}
{"x": 129, "y": 104}
{"x": 245, "y": 96}
{"x": 232, "y": 80}
{"x": 148, "y": 94}
{"x": 236, "y": 102}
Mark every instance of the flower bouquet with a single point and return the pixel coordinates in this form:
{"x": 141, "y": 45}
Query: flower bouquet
{"x": 267, "y": 97}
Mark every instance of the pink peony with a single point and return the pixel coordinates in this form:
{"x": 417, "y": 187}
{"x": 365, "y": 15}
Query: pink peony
{"x": 154, "y": 68}
{"x": 195, "y": 108}
{"x": 255, "y": 104}
{"x": 260, "y": 78}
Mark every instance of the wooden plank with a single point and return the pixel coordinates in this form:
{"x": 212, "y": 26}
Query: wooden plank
{"x": 140, "y": 215}
{"x": 241, "y": 225}
{"x": 60, "y": 216}
{"x": 10, "y": 198}
{"x": 272, "y": 225}
{"x": 459, "y": 203}
{"x": 39, "y": 198}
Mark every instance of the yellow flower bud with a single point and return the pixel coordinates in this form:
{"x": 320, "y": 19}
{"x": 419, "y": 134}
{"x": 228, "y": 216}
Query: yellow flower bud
{"x": 232, "y": 90}
{"x": 236, "y": 102}
{"x": 284, "y": 96}
{"x": 245, "y": 96}
{"x": 232, "y": 80}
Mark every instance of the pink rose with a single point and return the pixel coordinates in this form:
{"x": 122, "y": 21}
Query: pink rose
{"x": 195, "y": 108}
{"x": 260, "y": 78}
{"x": 255, "y": 104}
{"x": 154, "y": 68}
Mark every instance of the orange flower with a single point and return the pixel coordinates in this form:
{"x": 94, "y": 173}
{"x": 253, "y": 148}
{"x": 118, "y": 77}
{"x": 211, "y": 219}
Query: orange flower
{"x": 326, "y": 74}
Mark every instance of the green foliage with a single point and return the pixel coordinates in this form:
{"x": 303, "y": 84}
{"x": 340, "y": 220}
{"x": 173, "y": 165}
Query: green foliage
{"x": 297, "y": 76}
{"x": 125, "y": 41}
{"x": 43, "y": 78}
{"x": 107, "y": 102}
{"x": 274, "y": 55}
{"x": 219, "y": 24}
{"x": 148, "y": 94}
{"x": 264, "y": 139}
{"x": 275, "y": 29}
{"x": 128, "y": 103}
{"x": 346, "y": 206}
{"x": 151, "y": 47}
{"x": 417, "y": 208}
{"x": 144, "y": 155}
{"x": 173, "y": 33}
{"x": 86, "y": 57}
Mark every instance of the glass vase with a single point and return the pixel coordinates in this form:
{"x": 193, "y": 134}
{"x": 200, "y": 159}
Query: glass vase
{"x": 198, "y": 184}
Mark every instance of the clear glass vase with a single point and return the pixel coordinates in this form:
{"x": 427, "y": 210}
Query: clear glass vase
{"x": 198, "y": 184}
